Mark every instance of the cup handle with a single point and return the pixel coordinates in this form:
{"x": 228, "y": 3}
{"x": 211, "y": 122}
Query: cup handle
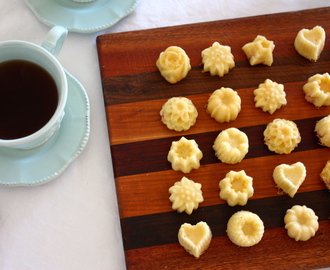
{"x": 54, "y": 40}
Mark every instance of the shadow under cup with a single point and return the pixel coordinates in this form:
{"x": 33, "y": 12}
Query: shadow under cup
{"x": 26, "y": 51}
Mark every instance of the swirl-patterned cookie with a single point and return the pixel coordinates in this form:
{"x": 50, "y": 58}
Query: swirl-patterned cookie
{"x": 317, "y": 90}
{"x": 260, "y": 51}
{"x": 270, "y": 96}
{"x": 282, "y": 136}
{"x": 245, "y": 228}
{"x": 310, "y": 43}
{"x": 184, "y": 155}
{"x": 231, "y": 145}
{"x": 322, "y": 129}
{"x": 236, "y": 188}
{"x": 301, "y": 222}
{"x": 173, "y": 64}
{"x": 224, "y": 105}
{"x": 186, "y": 195}
{"x": 218, "y": 59}
{"x": 179, "y": 113}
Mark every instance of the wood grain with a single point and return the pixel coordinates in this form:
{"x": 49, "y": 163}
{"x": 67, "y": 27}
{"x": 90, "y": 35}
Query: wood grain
{"x": 134, "y": 92}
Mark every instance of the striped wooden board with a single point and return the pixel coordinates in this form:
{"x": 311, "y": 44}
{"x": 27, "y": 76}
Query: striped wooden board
{"x": 134, "y": 92}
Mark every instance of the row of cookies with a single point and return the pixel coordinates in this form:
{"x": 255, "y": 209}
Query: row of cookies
{"x": 174, "y": 63}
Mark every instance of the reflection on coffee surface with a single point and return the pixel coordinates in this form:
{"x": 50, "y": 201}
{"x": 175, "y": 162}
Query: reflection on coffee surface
{"x": 28, "y": 98}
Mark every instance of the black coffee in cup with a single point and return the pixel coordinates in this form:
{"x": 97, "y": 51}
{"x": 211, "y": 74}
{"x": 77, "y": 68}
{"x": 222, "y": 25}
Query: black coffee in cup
{"x": 28, "y": 98}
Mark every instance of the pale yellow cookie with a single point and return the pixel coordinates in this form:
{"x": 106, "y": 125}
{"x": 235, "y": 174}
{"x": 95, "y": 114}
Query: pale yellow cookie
{"x": 236, "y": 188}
{"x": 245, "y": 228}
{"x": 231, "y": 145}
{"x": 260, "y": 51}
{"x": 218, "y": 59}
{"x": 317, "y": 90}
{"x": 325, "y": 174}
{"x": 224, "y": 105}
{"x": 322, "y": 129}
{"x": 195, "y": 238}
{"x": 186, "y": 195}
{"x": 289, "y": 177}
{"x": 282, "y": 136}
{"x": 173, "y": 64}
{"x": 179, "y": 114}
{"x": 270, "y": 96}
{"x": 310, "y": 43}
{"x": 184, "y": 155}
{"x": 301, "y": 222}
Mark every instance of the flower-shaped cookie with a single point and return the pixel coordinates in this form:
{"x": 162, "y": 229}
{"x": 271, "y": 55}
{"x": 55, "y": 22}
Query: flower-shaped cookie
{"x": 195, "y": 238}
{"x": 325, "y": 174}
{"x": 186, "y": 195}
{"x": 218, "y": 59}
{"x": 236, "y": 188}
{"x": 173, "y": 64}
{"x": 231, "y": 145}
{"x": 301, "y": 222}
{"x": 270, "y": 96}
{"x": 179, "y": 113}
{"x": 317, "y": 90}
{"x": 245, "y": 228}
{"x": 184, "y": 155}
{"x": 290, "y": 177}
{"x": 282, "y": 136}
{"x": 260, "y": 51}
{"x": 224, "y": 105}
{"x": 310, "y": 43}
{"x": 322, "y": 129}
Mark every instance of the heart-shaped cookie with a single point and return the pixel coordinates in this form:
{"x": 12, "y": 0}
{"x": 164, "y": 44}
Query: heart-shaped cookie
{"x": 289, "y": 177}
{"x": 195, "y": 238}
{"x": 310, "y": 43}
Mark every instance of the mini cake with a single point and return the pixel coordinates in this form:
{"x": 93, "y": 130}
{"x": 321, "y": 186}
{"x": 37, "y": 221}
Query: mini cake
{"x": 173, "y": 64}
{"x": 236, "y": 188}
{"x": 186, "y": 195}
{"x": 231, "y": 146}
{"x": 289, "y": 177}
{"x": 184, "y": 155}
{"x": 179, "y": 114}
{"x": 310, "y": 43}
{"x": 224, "y": 105}
{"x": 218, "y": 59}
{"x": 245, "y": 228}
{"x": 301, "y": 222}
{"x": 270, "y": 96}
{"x": 325, "y": 174}
{"x": 195, "y": 238}
{"x": 282, "y": 136}
{"x": 260, "y": 51}
{"x": 317, "y": 90}
{"x": 322, "y": 129}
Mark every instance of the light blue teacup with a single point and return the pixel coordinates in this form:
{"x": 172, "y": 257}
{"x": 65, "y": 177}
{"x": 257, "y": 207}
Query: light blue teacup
{"x": 44, "y": 56}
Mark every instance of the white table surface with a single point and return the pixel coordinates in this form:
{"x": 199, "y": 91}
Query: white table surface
{"x": 72, "y": 222}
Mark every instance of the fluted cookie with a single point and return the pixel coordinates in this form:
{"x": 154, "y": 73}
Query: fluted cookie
{"x": 224, "y": 105}
{"x": 301, "y": 222}
{"x": 317, "y": 90}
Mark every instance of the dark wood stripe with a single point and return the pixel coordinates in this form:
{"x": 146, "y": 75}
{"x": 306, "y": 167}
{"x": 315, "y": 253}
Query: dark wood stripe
{"x": 151, "y": 156}
{"x": 151, "y": 85}
{"x": 162, "y": 229}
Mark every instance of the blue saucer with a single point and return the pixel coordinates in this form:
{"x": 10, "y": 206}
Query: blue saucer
{"x": 81, "y": 17}
{"x": 44, "y": 163}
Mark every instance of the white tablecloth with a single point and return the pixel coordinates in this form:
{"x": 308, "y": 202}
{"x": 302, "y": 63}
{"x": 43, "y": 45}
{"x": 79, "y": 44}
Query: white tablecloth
{"x": 72, "y": 222}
